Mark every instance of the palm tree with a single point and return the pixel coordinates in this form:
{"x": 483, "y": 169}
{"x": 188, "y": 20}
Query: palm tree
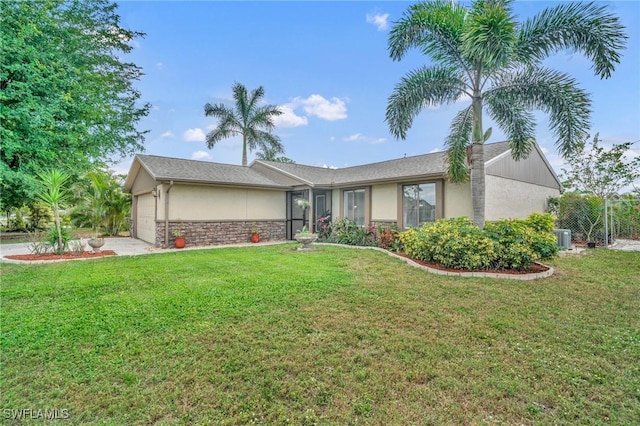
{"x": 52, "y": 190}
{"x": 247, "y": 118}
{"x": 272, "y": 155}
{"x": 482, "y": 53}
{"x": 100, "y": 202}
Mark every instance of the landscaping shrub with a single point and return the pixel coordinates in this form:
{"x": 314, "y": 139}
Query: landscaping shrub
{"x": 514, "y": 240}
{"x": 541, "y": 222}
{"x": 504, "y": 244}
{"x": 52, "y": 238}
{"x": 388, "y": 238}
{"x": 346, "y": 231}
{"x": 454, "y": 243}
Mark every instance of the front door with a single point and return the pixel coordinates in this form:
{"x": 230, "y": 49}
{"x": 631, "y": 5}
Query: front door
{"x": 321, "y": 208}
{"x": 296, "y": 216}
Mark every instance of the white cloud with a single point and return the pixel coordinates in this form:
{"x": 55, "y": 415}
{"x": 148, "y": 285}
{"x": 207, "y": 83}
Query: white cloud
{"x": 289, "y": 118}
{"x": 316, "y": 105}
{"x": 434, "y": 150}
{"x": 160, "y": 66}
{"x": 155, "y": 107}
{"x": 194, "y": 135}
{"x": 201, "y": 155}
{"x": 380, "y": 20}
{"x": 354, "y": 137}
{"x": 167, "y": 134}
{"x": 332, "y": 138}
{"x": 359, "y": 137}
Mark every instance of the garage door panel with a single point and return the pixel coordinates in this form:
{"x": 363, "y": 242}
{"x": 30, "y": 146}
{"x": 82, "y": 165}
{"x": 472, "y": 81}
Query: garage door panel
{"x": 146, "y": 220}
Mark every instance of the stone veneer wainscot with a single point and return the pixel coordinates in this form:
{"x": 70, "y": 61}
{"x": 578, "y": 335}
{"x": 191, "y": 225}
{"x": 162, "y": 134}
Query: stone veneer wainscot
{"x": 206, "y": 233}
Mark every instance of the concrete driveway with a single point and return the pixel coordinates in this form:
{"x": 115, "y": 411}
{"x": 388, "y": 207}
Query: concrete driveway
{"x": 121, "y": 245}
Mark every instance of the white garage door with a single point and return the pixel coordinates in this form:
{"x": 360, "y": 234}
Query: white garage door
{"x": 145, "y": 222}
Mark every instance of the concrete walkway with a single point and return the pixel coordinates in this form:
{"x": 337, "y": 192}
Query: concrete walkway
{"x": 123, "y": 246}
{"x": 626, "y": 245}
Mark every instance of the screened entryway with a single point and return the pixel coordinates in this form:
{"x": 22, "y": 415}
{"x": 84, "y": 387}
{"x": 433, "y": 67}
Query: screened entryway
{"x": 298, "y": 217}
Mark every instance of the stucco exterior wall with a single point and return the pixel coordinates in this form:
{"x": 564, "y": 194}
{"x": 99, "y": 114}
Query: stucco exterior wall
{"x": 457, "y": 200}
{"x": 143, "y": 183}
{"x": 508, "y": 198}
{"x": 193, "y": 203}
{"x": 384, "y": 203}
{"x": 335, "y": 204}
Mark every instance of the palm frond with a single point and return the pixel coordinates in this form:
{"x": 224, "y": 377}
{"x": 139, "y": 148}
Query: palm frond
{"x": 433, "y": 27}
{"x": 517, "y": 123}
{"x": 241, "y": 101}
{"x": 489, "y": 36}
{"x": 223, "y": 130}
{"x": 583, "y": 27}
{"x": 263, "y": 140}
{"x": 254, "y": 98}
{"x": 263, "y": 116}
{"x": 553, "y": 92}
{"x": 217, "y": 110}
{"x": 457, "y": 143}
{"x": 422, "y": 87}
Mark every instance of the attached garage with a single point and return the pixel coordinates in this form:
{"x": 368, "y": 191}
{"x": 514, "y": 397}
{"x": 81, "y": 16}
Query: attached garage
{"x": 145, "y": 220}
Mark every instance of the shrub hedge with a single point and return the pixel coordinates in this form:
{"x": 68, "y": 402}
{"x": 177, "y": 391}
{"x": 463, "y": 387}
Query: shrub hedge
{"x": 504, "y": 244}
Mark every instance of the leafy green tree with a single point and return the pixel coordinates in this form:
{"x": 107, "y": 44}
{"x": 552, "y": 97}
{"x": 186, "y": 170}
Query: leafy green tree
{"x": 66, "y": 95}
{"x": 482, "y": 53}
{"x": 53, "y": 191}
{"x": 602, "y": 172}
{"x": 249, "y": 118}
{"x": 39, "y": 215}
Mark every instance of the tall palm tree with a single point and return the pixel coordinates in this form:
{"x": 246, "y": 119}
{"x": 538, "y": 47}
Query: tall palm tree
{"x": 272, "y": 155}
{"x": 482, "y": 53}
{"x": 247, "y": 118}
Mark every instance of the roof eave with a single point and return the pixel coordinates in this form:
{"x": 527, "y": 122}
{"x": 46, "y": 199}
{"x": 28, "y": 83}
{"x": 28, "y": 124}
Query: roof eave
{"x": 164, "y": 179}
{"x": 438, "y": 175}
{"x": 284, "y": 172}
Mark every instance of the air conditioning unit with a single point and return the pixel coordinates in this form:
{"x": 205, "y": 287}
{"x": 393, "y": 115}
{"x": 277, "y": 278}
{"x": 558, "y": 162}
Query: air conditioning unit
{"x": 564, "y": 238}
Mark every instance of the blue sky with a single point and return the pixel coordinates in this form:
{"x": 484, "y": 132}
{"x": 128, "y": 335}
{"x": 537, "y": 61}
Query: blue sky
{"x": 327, "y": 65}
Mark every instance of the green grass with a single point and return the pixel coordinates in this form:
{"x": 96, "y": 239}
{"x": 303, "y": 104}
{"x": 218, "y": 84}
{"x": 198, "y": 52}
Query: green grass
{"x": 267, "y": 335}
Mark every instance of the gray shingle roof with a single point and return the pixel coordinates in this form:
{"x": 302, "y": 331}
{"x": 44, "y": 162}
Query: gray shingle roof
{"x": 401, "y": 168}
{"x": 181, "y": 170}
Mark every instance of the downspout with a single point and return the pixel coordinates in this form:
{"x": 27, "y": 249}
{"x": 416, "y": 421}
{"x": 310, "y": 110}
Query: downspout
{"x": 166, "y": 215}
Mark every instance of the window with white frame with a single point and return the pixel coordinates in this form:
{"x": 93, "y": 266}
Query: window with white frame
{"x": 418, "y": 204}
{"x": 354, "y": 205}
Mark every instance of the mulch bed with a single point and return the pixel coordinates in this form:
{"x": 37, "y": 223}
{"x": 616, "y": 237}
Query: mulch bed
{"x": 536, "y": 267}
{"x": 64, "y": 256}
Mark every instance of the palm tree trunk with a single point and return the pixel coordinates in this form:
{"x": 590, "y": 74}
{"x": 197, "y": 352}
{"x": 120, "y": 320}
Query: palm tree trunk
{"x": 477, "y": 165}
{"x": 59, "y": 229}
{"x": 244, "y": 149}
{"x": 477, "y": 183}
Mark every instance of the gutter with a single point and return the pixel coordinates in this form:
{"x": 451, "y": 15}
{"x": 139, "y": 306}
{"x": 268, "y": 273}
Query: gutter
{"x": 166, "y": 215}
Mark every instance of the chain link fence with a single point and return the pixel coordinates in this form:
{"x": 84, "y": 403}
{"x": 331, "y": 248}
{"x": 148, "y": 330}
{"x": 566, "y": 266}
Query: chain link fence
{"x": 591, "y": 221}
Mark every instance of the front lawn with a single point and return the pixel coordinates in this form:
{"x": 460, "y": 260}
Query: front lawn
{"x": 267, "y": 335}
